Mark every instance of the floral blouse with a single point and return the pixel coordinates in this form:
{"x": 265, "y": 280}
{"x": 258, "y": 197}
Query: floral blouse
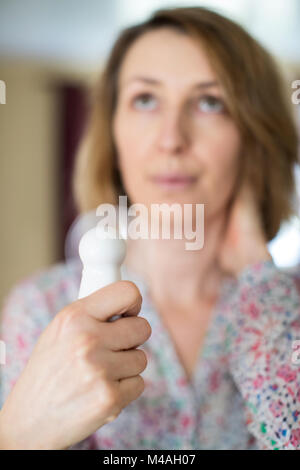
{"x": 245, "y": 392}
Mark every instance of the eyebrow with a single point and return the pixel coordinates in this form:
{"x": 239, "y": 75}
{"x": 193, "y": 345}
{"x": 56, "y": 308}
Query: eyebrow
{"x": 153, "y": 81}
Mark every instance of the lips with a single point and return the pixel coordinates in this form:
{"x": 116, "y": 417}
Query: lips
{"x": 174, "y": 180}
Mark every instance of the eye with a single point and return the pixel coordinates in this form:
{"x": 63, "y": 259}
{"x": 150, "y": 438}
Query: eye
{"x": 144, "y": 101}
{"x": 211, "y": 104}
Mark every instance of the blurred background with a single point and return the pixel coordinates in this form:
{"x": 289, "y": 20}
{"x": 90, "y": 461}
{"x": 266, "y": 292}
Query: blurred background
{"x": 50, "y": 52}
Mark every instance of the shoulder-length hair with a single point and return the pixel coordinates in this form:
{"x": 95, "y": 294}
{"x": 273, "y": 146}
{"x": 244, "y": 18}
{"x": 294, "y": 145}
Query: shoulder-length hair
{"x": 256, "y": 100}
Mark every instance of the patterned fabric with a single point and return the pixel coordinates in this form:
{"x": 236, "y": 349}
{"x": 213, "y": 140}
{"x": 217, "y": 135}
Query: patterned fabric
{"x": 245, "y": 393}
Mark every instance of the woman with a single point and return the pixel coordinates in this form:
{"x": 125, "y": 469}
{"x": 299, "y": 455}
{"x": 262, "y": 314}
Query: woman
{"x": 186, "y": 93}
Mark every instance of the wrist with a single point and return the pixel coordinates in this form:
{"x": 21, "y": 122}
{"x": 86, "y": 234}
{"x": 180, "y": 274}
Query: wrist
{"x": 11, "y": 438}
{"x": 5, "y": 441}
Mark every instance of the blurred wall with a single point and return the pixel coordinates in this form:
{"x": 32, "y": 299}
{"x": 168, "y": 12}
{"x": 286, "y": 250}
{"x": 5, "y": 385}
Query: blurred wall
{"x": 29, "y": 167}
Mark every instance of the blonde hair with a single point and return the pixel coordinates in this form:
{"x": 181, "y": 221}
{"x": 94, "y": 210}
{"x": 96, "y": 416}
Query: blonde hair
{"x": 256, "y": 101}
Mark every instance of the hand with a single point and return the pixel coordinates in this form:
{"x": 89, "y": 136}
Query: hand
{"x": 82, "y": 372}
{"x": 244, "y": 240}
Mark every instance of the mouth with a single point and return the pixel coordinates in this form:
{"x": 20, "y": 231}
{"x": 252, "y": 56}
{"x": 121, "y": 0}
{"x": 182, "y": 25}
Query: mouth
{"x": 173, "y": 181}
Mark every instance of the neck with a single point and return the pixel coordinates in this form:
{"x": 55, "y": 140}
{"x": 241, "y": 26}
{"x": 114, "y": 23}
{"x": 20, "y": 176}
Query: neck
{"x": 177, "y": 276}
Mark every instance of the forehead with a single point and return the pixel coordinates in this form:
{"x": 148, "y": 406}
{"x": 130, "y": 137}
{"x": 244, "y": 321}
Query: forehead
{"x": 169, "y": 56}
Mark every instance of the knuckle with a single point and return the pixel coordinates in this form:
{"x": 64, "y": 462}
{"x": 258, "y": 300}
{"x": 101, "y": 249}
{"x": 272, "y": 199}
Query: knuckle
{"x": 84, "y": 346}
{"x": 142, "y": 359}
{"x": 133, "y": 289}
{"x": 137, "y": 329}
{"x": 147, "y": 327}
{"x": 144, "y": 328}
{"x": 88, "y": 357}
{"x": 67, "y": 317}
{"x": 88, "y": 376}
{"x": 141, "y": 384}
{"x": 110, "y": 400}
{"x": 70, "y": 311}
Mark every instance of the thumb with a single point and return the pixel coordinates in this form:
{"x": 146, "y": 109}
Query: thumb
{"x": 114, "y": 299}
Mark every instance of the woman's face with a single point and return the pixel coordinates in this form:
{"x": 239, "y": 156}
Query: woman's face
{"x": 171, "y": 121}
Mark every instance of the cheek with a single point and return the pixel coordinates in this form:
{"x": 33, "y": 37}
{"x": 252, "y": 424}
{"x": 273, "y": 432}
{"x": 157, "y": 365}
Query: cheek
{"x": 129, "y": 139}
{"x": 129, "y": 144}
{"x": 221, "y": 150}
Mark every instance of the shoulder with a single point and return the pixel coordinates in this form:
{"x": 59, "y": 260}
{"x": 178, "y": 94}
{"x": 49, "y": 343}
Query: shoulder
{"x": 266, "y": 299}
{"x": 265, "y": 277}
{"x": 295, "y": 275}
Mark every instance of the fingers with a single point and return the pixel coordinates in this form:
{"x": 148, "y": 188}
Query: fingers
{"x": 125, "y": 333}
{"x": 131, "y": 389}
{"x": 113, "y": 299}
{"x": 123, "y": 364}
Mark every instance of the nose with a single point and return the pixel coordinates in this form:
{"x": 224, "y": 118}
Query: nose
{"x": 173, "y": 136}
